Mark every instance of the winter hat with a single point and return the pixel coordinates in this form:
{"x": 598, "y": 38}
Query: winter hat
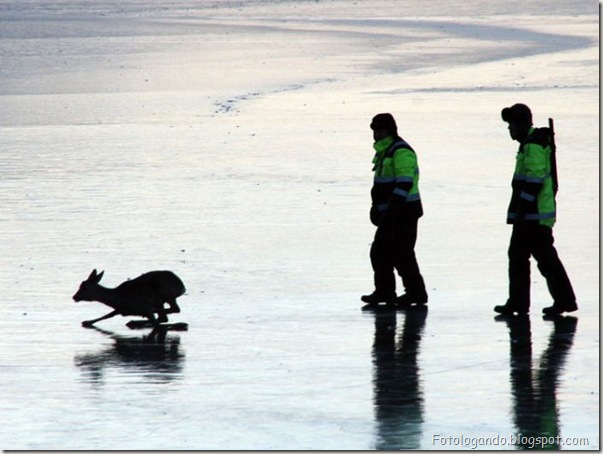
{"x": 384, "y": 121}
{"x": 517, "y": 113}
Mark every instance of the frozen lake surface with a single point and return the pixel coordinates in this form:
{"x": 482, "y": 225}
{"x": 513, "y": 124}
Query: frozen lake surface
{"x": 229, "y": 142}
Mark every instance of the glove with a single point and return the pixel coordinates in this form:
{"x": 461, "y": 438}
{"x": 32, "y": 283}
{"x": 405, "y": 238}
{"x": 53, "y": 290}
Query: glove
{"x": 375, "y": 216}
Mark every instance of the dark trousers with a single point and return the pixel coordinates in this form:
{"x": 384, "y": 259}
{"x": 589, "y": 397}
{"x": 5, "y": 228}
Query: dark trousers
{"x": 394, "y": 248}
{"x": 532, "y": 239}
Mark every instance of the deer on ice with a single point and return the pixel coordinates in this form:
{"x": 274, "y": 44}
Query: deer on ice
{"x": 144, "y": 296}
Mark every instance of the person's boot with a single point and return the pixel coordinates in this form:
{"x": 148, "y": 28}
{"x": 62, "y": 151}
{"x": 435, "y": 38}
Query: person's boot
{"x": 510, "y": 309}
{"x": 560, "y": 308}
{"x": 379, "y": 297}
{"x": 408, "y": 300}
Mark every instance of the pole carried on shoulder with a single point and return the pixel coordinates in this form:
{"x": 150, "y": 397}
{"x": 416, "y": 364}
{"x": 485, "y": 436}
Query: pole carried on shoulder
{"x": 553, "y": 156}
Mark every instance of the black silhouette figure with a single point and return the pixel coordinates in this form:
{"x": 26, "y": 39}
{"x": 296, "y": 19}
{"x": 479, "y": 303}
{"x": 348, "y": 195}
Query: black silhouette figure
{"x": 536, "y": 413}
{"x": 144, "y": 296}
{"x": 395, "y": 210}
{"x": 532, "y": 212}
{"x": 398, "y": 396}
{"x": 155, "y": 356}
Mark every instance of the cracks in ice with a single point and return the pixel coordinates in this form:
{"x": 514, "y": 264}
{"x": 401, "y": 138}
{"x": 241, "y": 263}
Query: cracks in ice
{"x": 231, "y": 105}
{"x": 483, "y": 88}
{"x": 228, "y": 106}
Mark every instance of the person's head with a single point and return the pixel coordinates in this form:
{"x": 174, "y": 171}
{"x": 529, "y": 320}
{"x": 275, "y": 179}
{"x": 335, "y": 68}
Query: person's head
{"x": 383, "y": 125}
{"x": 519, "y": 118}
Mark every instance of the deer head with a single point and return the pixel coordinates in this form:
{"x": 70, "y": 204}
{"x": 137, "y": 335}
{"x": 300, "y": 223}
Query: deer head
{"x": 88, "y": 290}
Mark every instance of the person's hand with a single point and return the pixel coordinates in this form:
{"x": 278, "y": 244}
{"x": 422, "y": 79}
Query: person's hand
{"x": 375, "y": 216}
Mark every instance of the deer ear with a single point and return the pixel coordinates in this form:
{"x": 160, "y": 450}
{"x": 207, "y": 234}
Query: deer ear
{"x": 99, "y": 276}
{"x": 92, "y": 275}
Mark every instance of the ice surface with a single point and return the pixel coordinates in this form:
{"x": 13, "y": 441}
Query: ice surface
{"x": 228, "y": 141}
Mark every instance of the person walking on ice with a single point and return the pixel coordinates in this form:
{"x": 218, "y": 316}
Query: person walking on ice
{"x": 532, "y": 213}
{"x": 395, "y": 211}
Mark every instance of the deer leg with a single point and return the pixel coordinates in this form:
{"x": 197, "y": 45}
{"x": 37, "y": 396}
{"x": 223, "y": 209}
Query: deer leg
{"x": 150, "y": 322}
{"x": 162, "y": 316}
{"x": 88, "y": 323}
{"x": 158, "y": 334}
{"x": 174, "y": 308}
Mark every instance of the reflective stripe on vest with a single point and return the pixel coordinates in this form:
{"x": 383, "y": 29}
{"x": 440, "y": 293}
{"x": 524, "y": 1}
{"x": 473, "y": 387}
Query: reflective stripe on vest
{"x": 533, "y": 217}
{"x": 520, "y": 177}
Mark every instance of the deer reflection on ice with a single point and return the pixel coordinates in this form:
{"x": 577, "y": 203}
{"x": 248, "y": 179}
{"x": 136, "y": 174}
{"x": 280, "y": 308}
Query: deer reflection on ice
{"x": 155, "y": 356}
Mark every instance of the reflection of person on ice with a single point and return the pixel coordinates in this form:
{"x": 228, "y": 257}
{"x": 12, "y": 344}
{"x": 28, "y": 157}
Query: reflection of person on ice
{"x": 532, "y": 214}
{"x": 396, "y": 209}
